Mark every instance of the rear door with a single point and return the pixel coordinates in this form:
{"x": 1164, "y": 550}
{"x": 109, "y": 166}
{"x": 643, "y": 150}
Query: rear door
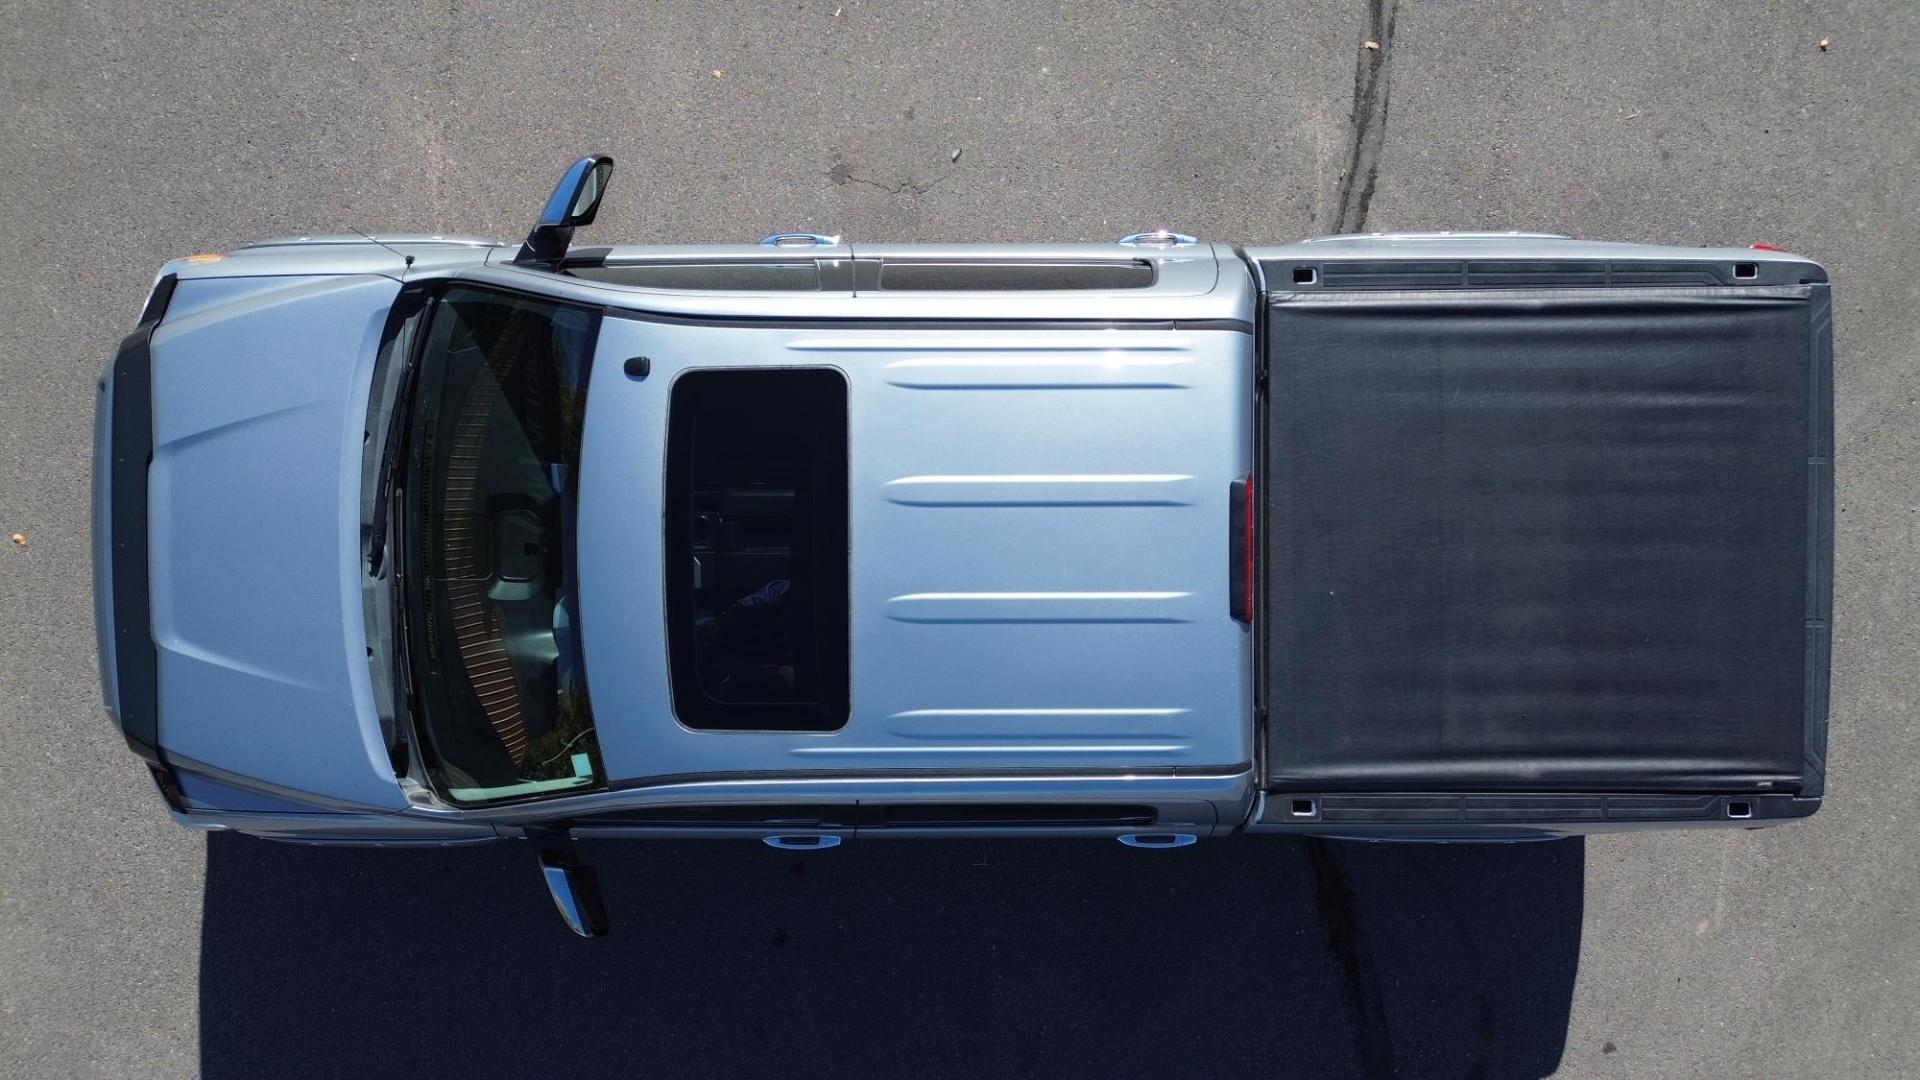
{"x": 1545, "y": 531}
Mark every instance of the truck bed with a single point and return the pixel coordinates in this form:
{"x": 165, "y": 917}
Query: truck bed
{"x": 1545, "y": 528}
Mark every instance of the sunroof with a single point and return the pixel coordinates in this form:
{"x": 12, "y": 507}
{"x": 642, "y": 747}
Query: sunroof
{"x": 756, "y": 551}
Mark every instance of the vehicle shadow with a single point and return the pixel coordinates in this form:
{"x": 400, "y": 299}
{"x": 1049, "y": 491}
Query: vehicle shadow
{"x": 1255, "y": 956}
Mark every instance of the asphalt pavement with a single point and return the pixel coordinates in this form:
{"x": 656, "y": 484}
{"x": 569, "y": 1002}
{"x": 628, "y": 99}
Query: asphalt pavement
{"x": 134, "y": 132}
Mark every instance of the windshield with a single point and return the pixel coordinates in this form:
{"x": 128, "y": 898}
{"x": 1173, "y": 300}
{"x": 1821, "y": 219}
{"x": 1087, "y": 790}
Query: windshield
{"x": 492, "y": 468}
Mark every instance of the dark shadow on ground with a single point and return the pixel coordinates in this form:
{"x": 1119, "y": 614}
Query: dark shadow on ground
{"x": 1243, "y": 957}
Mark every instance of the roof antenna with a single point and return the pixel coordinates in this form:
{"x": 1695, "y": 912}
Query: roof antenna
{"x": 371, "y": 239}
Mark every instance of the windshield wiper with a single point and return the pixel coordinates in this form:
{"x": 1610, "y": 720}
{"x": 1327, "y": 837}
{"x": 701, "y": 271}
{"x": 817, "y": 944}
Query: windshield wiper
{"x": 399, "y": 416}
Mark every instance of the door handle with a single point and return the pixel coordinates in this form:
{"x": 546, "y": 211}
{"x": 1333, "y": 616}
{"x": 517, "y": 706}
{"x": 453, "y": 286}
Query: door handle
{"x": 798, "y": 239}
{"x": 1159, "y": 840}
{"x": 1158, "y": 238}
{"x": 803, "y": 842}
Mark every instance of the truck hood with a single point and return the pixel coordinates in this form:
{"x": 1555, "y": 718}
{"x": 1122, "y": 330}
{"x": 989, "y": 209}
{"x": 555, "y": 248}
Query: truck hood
{"x": 260, "y": 390}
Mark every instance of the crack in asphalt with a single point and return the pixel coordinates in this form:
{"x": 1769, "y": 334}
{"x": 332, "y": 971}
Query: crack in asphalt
{"x": 843, "y": 174}
{"x": 1368, "y": 121}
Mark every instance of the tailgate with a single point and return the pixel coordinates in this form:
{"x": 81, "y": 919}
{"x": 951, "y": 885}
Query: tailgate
{"x": 1545, "y": 537}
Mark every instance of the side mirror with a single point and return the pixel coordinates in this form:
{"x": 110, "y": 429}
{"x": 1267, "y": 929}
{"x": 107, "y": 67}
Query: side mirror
{"x": 576, "y": 892}
{"x": 574, "y": 202}
{"x": 575, "y": 888}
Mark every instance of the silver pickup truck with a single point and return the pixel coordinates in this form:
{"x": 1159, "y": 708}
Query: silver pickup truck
{"x": 424, "y": 540}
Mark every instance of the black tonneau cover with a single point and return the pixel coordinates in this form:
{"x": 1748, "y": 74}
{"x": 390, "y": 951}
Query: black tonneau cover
{"x": 1547, "y": 539}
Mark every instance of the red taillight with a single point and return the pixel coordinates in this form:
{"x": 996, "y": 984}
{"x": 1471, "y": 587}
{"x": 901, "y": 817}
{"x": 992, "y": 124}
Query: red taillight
{"x": 1249, "y": 555}
{"x": 1765, "y": 247}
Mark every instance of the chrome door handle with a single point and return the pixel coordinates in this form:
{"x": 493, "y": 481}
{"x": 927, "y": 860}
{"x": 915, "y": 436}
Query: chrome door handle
{"x": 1158, "y": 238}
{"x": 1159, "y": 840}
{"x": 802, "y": 842}
{"x": 798, "y": 239}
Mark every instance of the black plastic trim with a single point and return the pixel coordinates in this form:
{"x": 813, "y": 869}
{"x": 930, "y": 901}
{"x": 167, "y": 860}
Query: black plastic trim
{"x": 908, "y": 816}
{"x": 157, "y": 301}
{"x": 760, "y": 816}
{"x": 1820, "y": 488}
{"x": 605, "y": 272}
{"x": 1557, "y": 809}
{"x": 136, "y": 660}
{"x": 836, "y": 274}
{"x": 169, "y": 785}
{"x": 1338, "y": 274}
{"x": 836, "y": 271}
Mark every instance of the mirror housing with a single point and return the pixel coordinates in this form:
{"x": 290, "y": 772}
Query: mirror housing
{"x": 575, "y": 202}
{"x": 575, "y": 888}
{"x": 576, "y": 892}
